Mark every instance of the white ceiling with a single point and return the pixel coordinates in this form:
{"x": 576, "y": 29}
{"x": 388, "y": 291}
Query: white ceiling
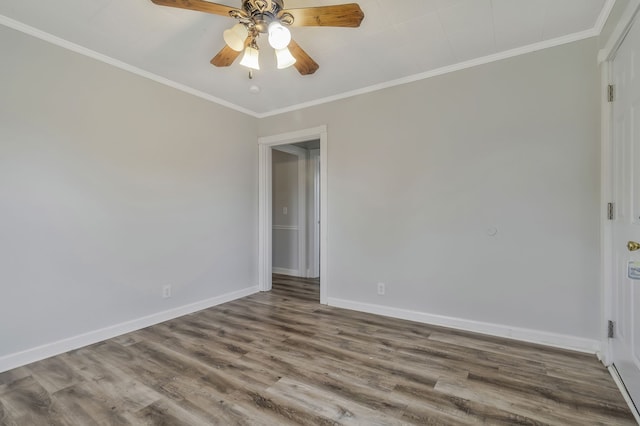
{"x": 399, "y": 41}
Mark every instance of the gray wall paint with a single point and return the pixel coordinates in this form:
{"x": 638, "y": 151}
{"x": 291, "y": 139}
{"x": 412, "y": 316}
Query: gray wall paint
{"x": 285, "y": 194}
{"x": 112, "y": 186}
{"x": 418, "y": 173}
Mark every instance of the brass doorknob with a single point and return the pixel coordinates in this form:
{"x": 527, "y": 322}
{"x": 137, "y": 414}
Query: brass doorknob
{"x": 633, "y": 246}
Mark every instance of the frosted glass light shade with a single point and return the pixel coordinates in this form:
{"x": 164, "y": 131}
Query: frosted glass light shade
{"x": 284, "y": 58}
{"x": 279, "y": 36}
{"x": 250, "y": 58}
{"x": 235, "y": 37}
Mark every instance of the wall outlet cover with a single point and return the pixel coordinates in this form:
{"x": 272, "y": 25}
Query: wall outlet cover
{"x": 166, "y": 291}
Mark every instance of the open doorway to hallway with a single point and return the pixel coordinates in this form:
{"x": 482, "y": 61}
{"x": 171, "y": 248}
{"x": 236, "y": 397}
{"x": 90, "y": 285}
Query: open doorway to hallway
{"x": 313, "y": 262}
{"x": 295, "y": 193}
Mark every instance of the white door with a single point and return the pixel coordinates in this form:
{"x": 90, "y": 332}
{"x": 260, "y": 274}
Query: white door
{"x": 625, "y": 346}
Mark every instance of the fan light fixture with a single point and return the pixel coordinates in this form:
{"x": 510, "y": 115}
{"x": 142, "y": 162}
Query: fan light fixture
{"x": 272, "y": 19}
{"x": 279, "y": 39}
{"x": 285, "y": 58}
{"x": 235, "y": 37}
{"x": 250, "y": 57}
{"x": 279, "y": 35}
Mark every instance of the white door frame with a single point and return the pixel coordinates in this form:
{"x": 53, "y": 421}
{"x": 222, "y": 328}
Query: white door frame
{"x": 302, "y": 155}
{"x": 606, "y": 197}
{"x": 605, "y": 58}
{"x": 314, "y": 207}
{"x": 265, "y": 255}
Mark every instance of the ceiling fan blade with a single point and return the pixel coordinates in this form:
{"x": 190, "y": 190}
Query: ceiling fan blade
{"x": 304, "y": 64}
{"x": 227, "y": 55}
{"x": 343, "y": 15}
{"x": 199, "y": 5}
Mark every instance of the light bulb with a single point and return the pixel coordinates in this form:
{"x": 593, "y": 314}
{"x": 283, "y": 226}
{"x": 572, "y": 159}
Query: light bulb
{"x": 285, "y": 58}
{"x": 235, "y": 37}
{"x": 250, "y": 58}
{"x": 279, "y": 36}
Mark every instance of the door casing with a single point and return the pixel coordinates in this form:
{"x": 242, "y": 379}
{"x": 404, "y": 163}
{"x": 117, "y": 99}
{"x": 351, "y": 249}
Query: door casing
{"x": 265, "y": 255}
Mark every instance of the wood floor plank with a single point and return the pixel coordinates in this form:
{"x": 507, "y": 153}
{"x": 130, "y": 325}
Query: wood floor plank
{"x": 54, "y": 374}
{"x": 589, "y": 405}
{"x": 168, "y": 413}
{"x": 281, "y": 358}
{"x": 13, "y": 375}
{"x": 341, "y": 410}
{"x": 126, "y": 393}
{"x": 26, "y": 402}
{"x": 339, "y": 384}
{"x": 86, "y": 404}
{"x": 435, "y": 404}
{"x": 539, "y": 408}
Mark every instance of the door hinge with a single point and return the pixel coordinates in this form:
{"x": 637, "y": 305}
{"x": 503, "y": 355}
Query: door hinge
{"x": 611, "y": 329}
{"x": 610, "y": 211}
{"x": 611, "y": 93}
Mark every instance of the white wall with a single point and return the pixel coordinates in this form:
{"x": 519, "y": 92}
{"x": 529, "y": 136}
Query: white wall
{"x": 284, "y": 172}
{"x": 112, "y": 186}
{"x": 418, "y": 173}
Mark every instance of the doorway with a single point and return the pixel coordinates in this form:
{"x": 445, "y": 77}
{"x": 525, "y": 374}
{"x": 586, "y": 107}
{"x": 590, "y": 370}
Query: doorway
{"x": 265, "y": 200}
{"x": 295, "y": 176}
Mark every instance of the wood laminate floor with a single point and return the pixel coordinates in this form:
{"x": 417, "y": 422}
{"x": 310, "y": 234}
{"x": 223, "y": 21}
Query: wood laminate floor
{"x": 281, "y": 358}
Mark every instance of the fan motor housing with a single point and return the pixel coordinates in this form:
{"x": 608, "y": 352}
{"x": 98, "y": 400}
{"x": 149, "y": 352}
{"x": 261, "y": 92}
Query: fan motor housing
{"x": 260, "y": 13}
{"x": 255, "y": 8}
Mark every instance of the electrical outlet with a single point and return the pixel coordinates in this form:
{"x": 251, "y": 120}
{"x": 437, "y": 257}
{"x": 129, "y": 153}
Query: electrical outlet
{"x": 381, "y": 289}
{"x": 166, "y": 291}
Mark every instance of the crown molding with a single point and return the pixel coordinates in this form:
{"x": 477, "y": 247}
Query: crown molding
{"x": 593, "y": 32}
{"x": 440, "y": 71}
{"x": 45, "y": 36}
{"x": 619, "y": 32}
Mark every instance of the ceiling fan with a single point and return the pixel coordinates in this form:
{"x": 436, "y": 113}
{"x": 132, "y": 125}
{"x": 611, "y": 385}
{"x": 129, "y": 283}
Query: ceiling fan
{"x": 256, "y": 17}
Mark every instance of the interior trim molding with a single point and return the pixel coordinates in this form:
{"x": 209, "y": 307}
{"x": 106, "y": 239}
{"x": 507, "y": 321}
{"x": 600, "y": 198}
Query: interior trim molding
{"x": 570, "y": 38}
{"x": 546, "y": 338}
{"x": 592, "y": 32}
{"x": 285, "y": 227}
{"x": 619, "y": 32}
{"x": 265, "y": 227}
{"x": 11, "y": 361}
{"x": 604, "y": 15}
{"x": 606, "y": 195}
{"x": 60, "y": 42}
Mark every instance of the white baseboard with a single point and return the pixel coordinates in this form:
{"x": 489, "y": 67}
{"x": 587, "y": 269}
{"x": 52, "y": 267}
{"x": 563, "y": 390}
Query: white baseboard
{"x": 28, "y": 356}
{"x": 526, "y": 335}
{"x": 285, "y": 271}
{"x": 625, "y": 393}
